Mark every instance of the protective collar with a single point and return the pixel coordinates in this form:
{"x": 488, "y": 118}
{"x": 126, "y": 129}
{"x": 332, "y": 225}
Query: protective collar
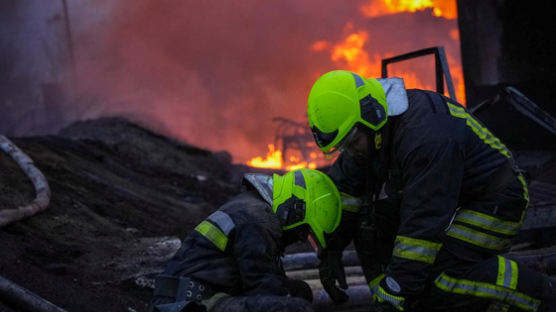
{"x": 396, "y": 96}
{"x": 262, "y": 183}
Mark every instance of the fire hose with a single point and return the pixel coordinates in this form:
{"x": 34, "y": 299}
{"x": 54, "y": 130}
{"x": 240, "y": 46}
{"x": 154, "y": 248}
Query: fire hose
{"x": 9, "y": 291}
{"x": 24, "y": 299}
{"x": 42, "y": 190}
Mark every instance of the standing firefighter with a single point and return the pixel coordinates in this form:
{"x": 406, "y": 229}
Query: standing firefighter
{"x": 231, "y": 261}
{"x": 434, "y": 196}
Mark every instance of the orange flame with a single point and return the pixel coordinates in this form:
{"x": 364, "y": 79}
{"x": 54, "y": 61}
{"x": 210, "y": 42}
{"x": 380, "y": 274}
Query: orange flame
{"x": 440, "y": 8}
{"x": 351, "y": 55}
{"x": 273, "y": 159}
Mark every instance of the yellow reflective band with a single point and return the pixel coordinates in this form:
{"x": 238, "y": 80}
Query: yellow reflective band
{"x": 375, "y": 281}
{"x": 482, "y": 132}
{"x": 515, "y": 274}
{"x": 477, "y": 238}
{"x": 416, "y": 249}
{"x": 485, "y": 290}
{"x": 507, "y": 273}
{"x": 213, "y": 234}
{"x": 488, "y": 222}
{"x": 525, "y": 190}
{"x": 350, "y": 203}
{"x": 380, "y": 295}
{"x": 501, "y": 271}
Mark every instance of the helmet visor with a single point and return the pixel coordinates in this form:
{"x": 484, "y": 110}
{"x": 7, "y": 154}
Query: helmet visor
{"x": 345, "y": 143}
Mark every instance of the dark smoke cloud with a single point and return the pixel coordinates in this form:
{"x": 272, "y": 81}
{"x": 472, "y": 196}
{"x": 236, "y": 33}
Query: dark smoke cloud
{"x": 214, "y": 73}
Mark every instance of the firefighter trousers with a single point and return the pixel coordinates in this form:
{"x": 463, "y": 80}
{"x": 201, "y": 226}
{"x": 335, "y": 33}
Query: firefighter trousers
{"x": 494, "y": 284}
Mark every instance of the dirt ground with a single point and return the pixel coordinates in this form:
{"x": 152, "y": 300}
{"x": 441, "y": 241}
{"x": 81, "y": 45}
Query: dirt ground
{"x": 117, "y": 190}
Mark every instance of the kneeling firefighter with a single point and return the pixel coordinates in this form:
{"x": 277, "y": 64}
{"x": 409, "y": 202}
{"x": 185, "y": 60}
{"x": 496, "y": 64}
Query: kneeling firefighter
{"x": 432, "y": 200}
{"x": 231, "y": 261}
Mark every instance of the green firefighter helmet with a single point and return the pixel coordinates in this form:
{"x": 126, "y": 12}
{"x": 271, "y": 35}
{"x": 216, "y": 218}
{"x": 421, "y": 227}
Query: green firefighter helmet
{"x": 309, "y": 197}
{"x": 338, "y": 101}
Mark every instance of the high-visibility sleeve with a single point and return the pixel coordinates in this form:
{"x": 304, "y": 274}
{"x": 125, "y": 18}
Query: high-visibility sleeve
{"x": 416, "y": 249}
{"x": 216, "y": 229}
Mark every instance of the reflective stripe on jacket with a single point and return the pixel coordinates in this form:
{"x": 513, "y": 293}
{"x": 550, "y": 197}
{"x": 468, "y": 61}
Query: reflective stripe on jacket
{"x": 440, "y": 158}
{"x": 236, "y": 250}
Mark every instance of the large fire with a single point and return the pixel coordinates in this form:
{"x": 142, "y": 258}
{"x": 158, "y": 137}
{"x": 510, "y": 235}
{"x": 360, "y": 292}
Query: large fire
{"x": 352, "y": 53}
{"x": 442, "y": 8}
{"x": 219, "y": 87}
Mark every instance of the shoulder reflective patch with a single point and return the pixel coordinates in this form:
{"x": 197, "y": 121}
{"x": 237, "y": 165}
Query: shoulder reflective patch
{"x": 482, "y": 132}
{"x": 396, "y": 95}
{"x": 487, "y": 222}
{"x": 299, "y": 179}
{"x": 223, "y": 220}
{"x": 358, "y": 80}
{"x": 477, "y": 238}
{"x": 213, "y": 234}
{"x": 416, "y": 249}
{"x": 486, "y": 290}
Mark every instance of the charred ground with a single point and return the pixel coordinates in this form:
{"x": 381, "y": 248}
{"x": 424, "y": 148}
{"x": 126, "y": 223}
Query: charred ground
{"x": 114, "y": 185}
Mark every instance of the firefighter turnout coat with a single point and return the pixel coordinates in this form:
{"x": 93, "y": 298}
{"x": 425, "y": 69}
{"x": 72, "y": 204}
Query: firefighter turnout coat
{"x": 452, "y": 188}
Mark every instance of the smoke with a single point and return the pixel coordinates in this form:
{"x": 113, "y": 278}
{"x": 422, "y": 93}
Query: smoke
{"x": 28, "y": 58}
{"x": 215, "y": 73}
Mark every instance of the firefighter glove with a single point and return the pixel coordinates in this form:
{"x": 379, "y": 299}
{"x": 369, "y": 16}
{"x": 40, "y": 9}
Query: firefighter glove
{"x": 385, "y": 291}
{"x": 332, "y": 275}
{"x": 298, "y": 288}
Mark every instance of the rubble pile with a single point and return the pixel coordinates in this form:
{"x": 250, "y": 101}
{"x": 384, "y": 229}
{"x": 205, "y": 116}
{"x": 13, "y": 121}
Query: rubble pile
{"x": 117, "y": 189}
